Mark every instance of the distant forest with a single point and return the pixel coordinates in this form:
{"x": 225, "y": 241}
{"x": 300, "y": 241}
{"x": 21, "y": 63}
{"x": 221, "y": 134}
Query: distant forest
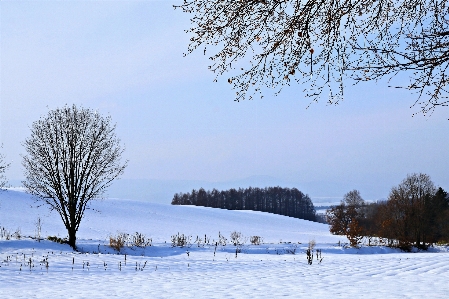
{"x": 276, "y": 200}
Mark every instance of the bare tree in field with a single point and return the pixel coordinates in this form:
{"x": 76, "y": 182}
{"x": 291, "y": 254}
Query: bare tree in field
{"x": 3, "y": 167}
{"x": 318, "y": 44}
{"x": 73, "y": 155}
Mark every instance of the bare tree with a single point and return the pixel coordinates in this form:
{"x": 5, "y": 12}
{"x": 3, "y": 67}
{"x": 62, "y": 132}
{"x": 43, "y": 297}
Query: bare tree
{"x": 353, "y": 198}
{"x": 318, "y": 44}
{"x": 3, "y": 167}
{"x": 73, "y": 155}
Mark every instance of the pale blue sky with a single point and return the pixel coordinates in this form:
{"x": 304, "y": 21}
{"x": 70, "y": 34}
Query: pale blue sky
{"x": 125, "y": 58}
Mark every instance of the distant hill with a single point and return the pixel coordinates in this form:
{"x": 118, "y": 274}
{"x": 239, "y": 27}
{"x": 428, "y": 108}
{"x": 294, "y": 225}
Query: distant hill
{"x": 158, "y": 221}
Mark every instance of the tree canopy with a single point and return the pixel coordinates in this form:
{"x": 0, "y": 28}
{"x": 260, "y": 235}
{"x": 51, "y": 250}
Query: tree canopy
{"x": 72, "y": 156}
{"x": 320, "y": 44}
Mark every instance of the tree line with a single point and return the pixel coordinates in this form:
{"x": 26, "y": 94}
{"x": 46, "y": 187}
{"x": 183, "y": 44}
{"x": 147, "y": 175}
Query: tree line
{"x": 276, "y": 200}
{"x": 416, "y": 214}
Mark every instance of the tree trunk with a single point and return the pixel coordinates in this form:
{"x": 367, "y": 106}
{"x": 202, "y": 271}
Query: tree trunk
{"x": 72, "y": 237}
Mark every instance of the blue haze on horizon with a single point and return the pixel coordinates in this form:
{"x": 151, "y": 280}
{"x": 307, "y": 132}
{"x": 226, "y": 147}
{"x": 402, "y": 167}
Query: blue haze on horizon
{"x": 181, "y": 130}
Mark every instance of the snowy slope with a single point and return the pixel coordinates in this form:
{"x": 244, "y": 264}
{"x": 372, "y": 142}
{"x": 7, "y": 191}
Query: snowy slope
{"x": 31, "y": 269}
{"x": 159, "y": 221}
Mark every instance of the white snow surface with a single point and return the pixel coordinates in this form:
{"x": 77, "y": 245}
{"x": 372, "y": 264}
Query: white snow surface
{"x": 276, "y": 268}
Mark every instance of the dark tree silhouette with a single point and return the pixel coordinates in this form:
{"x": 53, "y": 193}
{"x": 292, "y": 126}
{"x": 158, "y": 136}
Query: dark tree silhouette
{"x": 318, "y": 44}
{"x": 73, "y": 155}
{"x": 409, "y": 208}
{"x": 415, "y": 214}
{"x": 439, "y": 213}
{"x": 276, "y": 200}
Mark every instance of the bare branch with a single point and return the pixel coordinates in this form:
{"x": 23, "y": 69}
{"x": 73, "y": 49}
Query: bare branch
{"x": 271, "y": 43}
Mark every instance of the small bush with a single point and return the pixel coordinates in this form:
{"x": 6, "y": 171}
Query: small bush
{"x": 309, "y": 251}
{"x": 57, "y": 240}
{"x": 312, "y": 244}
{"x": 118, "y": 242}
{"x": 221, "y": 240}
{"x": 200, "y": 242}
{"x": 443, "y": 243}
{"x": 180, "y": 240}
{"x": 255, "y": 240}
{"x": 17, "y": 234}
{"x": 237, "y": 238}
{"x": 5, "y": 234}
{"x": 124, "y": 239}
{"x": 404, "y": 246}
{"x": 140, "y": 240}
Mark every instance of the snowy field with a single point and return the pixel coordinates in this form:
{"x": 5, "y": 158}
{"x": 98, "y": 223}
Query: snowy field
{"x": 276, "y": 268}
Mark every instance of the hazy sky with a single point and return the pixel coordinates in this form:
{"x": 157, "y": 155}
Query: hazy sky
{"x": 125, "y": 59}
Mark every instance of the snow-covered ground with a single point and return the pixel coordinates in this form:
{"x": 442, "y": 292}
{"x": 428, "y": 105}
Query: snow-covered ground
{"x": 276, "y": 268}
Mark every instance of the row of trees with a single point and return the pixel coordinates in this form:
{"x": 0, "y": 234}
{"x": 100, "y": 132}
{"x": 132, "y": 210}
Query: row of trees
{"x": 416, "y": 213}
{"x": 277, "y": 200}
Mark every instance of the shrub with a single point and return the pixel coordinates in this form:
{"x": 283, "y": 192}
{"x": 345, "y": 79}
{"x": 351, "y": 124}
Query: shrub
{"x": 57, "y": 240}
{"x": 118, "y": 242}
{"x": 200, "y": 242}
{"x": 309, "y": 251}
{"x": 180, "y": 240}
{"x": 312, "y": 245}
{"x": 255, "y": 240}
{"x": 124, "y": 239}
{"x": 222, "y": 240}
{"x": 237, "y": 238}
{"x": 4, "y": 233}
{"x": 140, "y": 240}
{"x": 17, "y": 234}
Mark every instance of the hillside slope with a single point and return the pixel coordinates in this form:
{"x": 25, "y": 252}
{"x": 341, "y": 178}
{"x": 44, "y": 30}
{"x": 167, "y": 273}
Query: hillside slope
{"x": 158, "y": 221}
